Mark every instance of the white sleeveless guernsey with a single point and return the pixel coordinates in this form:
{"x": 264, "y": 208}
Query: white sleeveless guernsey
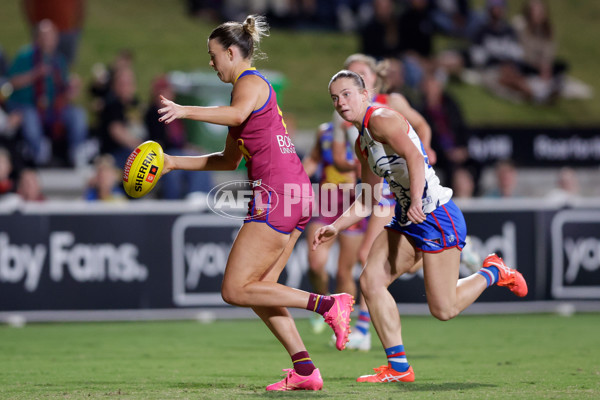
{"x": 385, "y": 163}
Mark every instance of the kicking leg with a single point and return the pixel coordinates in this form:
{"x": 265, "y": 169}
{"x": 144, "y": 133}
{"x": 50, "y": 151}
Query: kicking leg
{"x": 304, "y": 375}
{"x": 258, "y": 252}
{"x": 447, "y": 295}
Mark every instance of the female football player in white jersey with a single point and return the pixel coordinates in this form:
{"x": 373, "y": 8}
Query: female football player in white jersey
{"x": 344, "y": 135}
{"x": 426, "y": 225}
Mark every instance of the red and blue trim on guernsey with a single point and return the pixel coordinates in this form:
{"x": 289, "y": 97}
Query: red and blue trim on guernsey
{"x": 367, "y": 118}
{"x": 434, "y": 239}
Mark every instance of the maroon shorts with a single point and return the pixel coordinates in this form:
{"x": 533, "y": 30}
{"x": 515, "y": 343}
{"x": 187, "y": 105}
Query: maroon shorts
{"x": 332, "y": 206}
{"x": 284, "y": 213}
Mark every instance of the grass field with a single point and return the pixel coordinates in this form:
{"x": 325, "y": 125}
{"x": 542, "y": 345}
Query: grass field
{"x": 471, "y": 357}
{"x": 308, "y": 59}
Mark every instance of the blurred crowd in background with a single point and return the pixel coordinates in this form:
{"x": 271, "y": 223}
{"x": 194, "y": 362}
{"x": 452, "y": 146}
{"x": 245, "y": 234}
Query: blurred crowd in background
{"x": 41, "y": 125}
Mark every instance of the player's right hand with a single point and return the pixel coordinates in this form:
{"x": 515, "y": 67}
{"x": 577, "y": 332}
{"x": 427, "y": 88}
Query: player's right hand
{"x": 168, "y": 164}
{"x": 324, "y": 234}
{"x": 171, "y": 111}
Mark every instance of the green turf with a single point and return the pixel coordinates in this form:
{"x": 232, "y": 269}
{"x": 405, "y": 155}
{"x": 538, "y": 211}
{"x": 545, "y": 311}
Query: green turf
{"x": 165, "y": 39}
{"x": 470, "y": 357}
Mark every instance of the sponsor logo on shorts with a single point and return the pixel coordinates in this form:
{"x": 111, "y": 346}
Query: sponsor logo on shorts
{"x": 434, "y": 242}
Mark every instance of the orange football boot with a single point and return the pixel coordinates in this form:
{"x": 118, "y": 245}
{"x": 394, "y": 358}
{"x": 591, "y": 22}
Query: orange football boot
{"x": 507, "y": 277}
{"x": 385, "y": 374}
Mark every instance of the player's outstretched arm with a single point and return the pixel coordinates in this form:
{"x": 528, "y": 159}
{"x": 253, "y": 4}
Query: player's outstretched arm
{"x": 244, "y": 100}
{"x": 226, "y": 160}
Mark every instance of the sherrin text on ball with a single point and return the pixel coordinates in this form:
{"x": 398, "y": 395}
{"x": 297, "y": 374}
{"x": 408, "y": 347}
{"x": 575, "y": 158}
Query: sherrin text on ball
{"x": 143, "y": 169}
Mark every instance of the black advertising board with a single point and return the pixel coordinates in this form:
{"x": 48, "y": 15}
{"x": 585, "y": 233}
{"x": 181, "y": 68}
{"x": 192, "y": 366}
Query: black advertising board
{"x": 536, "y": 147}
{"x": 574, "y": 254}
{"x": 78, "y": 262}
{"x": 120, "y": 260}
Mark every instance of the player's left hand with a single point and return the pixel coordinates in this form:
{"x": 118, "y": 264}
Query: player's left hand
{"x": 431, "y": 155}
{"x": 171, "y": 110}
{"x": 324, "y": 234}
{"x": 415, "y": 212}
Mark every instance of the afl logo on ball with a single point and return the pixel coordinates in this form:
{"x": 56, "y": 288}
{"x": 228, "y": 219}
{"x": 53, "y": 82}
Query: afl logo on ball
{"x": 152, "y": 173}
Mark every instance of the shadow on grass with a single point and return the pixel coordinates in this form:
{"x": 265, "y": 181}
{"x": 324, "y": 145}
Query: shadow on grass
{"x": 442, "y": 387}
{"x": 376, "y": 390}
{"x": 208, "y": 385}
{"x": 423, "y": 386}
{"x": 250, "y": 391}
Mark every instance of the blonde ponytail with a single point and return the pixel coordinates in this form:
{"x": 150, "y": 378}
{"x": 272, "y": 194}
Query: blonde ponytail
{"x": 246, "y": 35}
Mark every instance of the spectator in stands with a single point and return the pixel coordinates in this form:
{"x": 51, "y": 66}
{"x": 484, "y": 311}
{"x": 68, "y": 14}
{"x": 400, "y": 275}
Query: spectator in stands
{"x": 498, "y": 55}
{"x": 105, "y": 185}
{"x": 345, "y": 15}
{"x": 536, "y": 36}
{"x": 392, "y": 73}
{"x": 67, "y": 15}
{"x": 350, "y": 14}
{"x": 103, "y": 76}
{"x": 10, "y": 122}
{"x": 449, "y": 133}
{"x": 416, "y": 29}
{"x": 463, "y": 183}
{"x": 7, "y": 184}
{"x": 43, "y": 95}
{"x": 380, "y": 37}
{"x": 494, "y": 58}
{"x": 28, "y": 187}
{"x": 506, "y": 180}
{"x": 121, "y": 124}
{"x": 567, "y": 186}
{"x": 456, "y": 18}
{"x": 3, "y": 65}
{"x": 416, "y": 41}
{"x": 172, "y": 137}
